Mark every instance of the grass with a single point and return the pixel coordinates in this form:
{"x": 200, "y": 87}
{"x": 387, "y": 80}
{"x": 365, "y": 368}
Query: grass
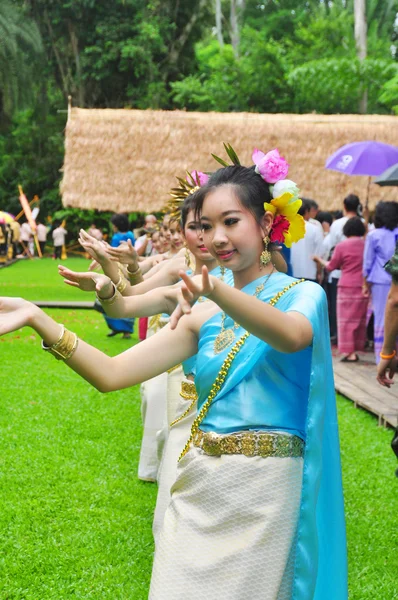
{"x": 38, "y": 279}
{"x": 75, "y": 522}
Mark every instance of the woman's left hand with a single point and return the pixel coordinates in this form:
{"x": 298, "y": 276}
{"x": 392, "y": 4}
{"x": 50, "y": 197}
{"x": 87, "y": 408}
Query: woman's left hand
{"x": 191, "y": 289}
{"x": 14, "y": 314}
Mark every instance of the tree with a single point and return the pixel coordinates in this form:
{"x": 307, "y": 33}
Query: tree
{"x": 20, "y": 42}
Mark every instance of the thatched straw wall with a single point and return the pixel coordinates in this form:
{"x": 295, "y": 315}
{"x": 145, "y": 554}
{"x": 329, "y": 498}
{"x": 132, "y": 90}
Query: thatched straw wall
{"x": 126, "y": 160}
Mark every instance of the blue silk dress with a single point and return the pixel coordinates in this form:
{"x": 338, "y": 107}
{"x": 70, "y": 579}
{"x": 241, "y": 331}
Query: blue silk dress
{"x": 267, "y": 389}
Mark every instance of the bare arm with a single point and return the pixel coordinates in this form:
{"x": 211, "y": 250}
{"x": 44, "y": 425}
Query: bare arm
{"x": 389, "y": 366}
{"x": 287, "y": 332}
{"x": 159, "y": 300}
{"x": 141, "y": 362}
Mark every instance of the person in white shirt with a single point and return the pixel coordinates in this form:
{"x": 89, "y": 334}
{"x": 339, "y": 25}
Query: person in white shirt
{"x": 143, "y": 245}
{"x": 26, "y": 238}
{"x": 352, "y": 208}
{"x": 41, "y": 232}
{"x": 59, "y": 234}
{"x": 302, "y": 252}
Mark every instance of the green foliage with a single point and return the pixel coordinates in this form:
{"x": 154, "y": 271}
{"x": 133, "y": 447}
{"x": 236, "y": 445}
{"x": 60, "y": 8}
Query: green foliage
{"x": 253, "y": 82}
{"x": 389, "y": 95}
{"x": 32, "y": 157}
{"x": 336, "y": 85}
{"x": 20, "y": 42}
{"x": 293, "y": 56}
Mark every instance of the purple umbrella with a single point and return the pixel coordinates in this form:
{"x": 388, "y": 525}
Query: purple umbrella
{"x": 363, "y": 158}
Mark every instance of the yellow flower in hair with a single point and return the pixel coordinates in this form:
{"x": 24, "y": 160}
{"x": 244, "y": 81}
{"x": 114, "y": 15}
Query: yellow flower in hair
{"x": 287, "y": 208}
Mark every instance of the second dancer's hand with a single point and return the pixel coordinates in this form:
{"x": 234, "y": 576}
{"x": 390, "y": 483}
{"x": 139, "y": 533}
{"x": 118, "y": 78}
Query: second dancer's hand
{"x": 125, "y": 254}
{"x": 88, "y": 282}
{"x": 191, "y": 289}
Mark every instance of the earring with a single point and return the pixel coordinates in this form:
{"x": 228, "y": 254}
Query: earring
{"x": 265, "y": 256}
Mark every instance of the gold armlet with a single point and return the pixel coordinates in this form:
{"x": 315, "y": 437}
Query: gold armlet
{"x": 134, "y": 276}
{"x": 64, "y": 347}
{"x": 121, "y": 284}
{"x": 108, "y": 301}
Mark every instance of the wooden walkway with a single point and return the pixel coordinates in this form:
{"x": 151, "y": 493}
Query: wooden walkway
{"x": 358, "y": 383}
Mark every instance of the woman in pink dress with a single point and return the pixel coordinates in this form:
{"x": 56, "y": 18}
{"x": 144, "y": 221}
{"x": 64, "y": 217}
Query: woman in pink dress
{"x": 351, "y": 301}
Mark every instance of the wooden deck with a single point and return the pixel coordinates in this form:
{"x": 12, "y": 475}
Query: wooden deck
{"x": 358, "y": 383}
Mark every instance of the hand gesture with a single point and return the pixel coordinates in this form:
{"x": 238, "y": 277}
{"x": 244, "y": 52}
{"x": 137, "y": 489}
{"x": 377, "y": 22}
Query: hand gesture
{"x": 386, "y": 370}
{"x": 87, "y": 282}
{"x": 14, "y": 314}
{"x": 125, "y": 254}
{"x": 96, "y": 249}
{"x": 191, "y": 289}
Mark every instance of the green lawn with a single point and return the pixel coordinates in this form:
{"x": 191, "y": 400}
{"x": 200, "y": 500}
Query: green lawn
{"x": 74, "y": 520}
{"x": 38, "y": 279}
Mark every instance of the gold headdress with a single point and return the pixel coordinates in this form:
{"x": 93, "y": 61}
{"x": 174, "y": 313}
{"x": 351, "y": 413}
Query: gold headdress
{"x": 186, "y": 188}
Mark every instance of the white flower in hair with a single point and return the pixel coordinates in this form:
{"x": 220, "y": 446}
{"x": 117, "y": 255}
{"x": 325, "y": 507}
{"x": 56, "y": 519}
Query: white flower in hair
{"x": 285, "y": 185}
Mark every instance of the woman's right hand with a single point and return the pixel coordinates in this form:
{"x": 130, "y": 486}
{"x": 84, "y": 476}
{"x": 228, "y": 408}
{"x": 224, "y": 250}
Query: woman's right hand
{"x": 15, "y": 313}
{"x": 125, "y": 254}
{"x": 87, "y": 282}
{"x": 191, "y": 289}
{"x": 96, "y": 249}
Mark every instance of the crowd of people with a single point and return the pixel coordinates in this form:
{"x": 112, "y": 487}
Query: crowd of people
{"x": 346, "y": 254}
{"x": 237, "y": 394}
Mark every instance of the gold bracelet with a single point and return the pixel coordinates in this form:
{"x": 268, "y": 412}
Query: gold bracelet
{"x": 64, "y": 347}
{"x": 133, "y": 273}
{"x": 121, "y": 284}
{"x": 110, "y": 300}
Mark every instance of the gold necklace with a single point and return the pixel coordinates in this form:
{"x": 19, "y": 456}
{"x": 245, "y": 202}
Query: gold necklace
{"x": 227, "y": 336}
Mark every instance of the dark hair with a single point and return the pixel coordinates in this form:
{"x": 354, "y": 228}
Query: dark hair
{"x": 311, "y": 203}
{"x": 250, "y": 188}
{"x": 188, "y": 205}
{"x": 305, "y": 207}
{"x": 354, "y": 227}
{"x": 337, "y": 214}
{"x": 352, "y": 204}
{"x": 324, "y": 217}
{"x": 121, "y": 222}
{"x": 386, "y": 215}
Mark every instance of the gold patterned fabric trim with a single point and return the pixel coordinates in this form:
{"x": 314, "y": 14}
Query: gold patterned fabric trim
{"x": 188, "y": 390}
{"x": 174, "y": 368}
{"x": 250, "y": 443}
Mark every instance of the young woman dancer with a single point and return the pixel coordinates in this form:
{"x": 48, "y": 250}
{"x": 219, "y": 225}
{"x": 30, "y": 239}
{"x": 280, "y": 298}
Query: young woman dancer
{"x": 256, "y": 510}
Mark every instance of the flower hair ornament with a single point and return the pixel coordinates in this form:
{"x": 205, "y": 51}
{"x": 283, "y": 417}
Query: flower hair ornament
{"x": 288, "y": 226}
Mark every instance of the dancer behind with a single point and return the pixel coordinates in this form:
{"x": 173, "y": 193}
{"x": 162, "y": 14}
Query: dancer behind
{"x": 256, "y": 510}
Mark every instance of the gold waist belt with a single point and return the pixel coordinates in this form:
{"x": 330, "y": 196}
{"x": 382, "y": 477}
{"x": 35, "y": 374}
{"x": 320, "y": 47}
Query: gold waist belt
{"x": 250, "y": 443}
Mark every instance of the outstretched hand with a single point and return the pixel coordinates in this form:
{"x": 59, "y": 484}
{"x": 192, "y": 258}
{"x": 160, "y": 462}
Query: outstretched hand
{"x": 386, "y": 370}
{"x": 14, "y": 314}
{"x": 191, "y": 289}
{"x": 125, "y": 254}
{"x": 87, "y": 282}
{"x": 96, "y": 248}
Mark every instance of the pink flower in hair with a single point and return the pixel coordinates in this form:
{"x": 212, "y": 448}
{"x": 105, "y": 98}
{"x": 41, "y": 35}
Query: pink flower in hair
{"x": 271, "y": 166}
{"x": 199, "y": 177}
{"x": 279, "y": 226}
